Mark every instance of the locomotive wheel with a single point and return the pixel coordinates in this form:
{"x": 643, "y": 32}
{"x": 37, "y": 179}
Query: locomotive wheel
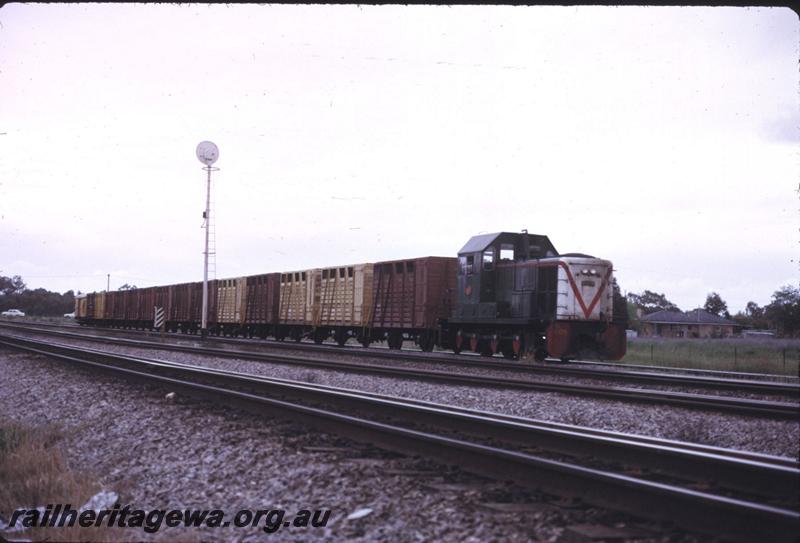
{"x": 508, "y": 353}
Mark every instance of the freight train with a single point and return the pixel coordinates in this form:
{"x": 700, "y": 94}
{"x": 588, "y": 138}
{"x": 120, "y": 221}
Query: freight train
{"x": 508, "y": 293}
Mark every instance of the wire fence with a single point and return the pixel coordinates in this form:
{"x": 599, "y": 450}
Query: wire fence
{"x": 757, "y": 355}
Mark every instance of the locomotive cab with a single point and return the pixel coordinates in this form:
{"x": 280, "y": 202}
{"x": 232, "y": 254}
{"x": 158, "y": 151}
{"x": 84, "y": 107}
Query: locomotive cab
{"x": 486, "y": 280}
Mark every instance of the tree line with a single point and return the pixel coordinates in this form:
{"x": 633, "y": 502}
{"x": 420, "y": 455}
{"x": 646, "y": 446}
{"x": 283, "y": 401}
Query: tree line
{"x": 39, "y": 302}
{"x": 781, "y": 314}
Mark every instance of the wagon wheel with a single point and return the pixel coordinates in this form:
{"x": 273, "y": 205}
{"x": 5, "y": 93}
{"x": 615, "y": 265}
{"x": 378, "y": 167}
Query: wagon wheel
{"x": 341, "y": 338}
{"x": 426, "y": 342}
{"x": 540, "y": 354}
{"x": 395, "y": 341}
{"x": 319, "y": 337}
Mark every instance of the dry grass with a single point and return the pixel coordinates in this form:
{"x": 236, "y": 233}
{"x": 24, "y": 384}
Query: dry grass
{"x": 34, "y": 473}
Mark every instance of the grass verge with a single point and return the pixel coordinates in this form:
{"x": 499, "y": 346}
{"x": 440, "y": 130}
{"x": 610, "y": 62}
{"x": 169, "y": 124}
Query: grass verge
{"x": 776, "y": 356}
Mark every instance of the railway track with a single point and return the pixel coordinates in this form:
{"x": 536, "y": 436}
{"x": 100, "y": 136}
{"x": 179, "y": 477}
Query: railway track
{"x": 745, "y": 496}
{"x": 750, "y": 386}
{"x": 740, "y": 406}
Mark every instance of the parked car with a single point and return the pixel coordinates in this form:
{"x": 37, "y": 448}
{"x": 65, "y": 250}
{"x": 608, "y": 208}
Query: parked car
{"x": 13, "y": 313}
{"x": 69, "y": 315}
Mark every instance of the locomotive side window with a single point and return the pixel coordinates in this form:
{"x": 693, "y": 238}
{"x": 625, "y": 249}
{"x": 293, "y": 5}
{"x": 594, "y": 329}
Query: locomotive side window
{"x": 462, "y": 265}
{"x": 507, "y": 251}
{"x": 488, "y": 259}
{"x": 470, "y": 264}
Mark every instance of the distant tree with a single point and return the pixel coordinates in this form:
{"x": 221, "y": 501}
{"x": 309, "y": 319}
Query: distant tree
{"x": 650, "y": 302}
{"x": 619, "y": 305}
{"x": 633, "y": 318}
{"x": 753, "y": 310}
{"x": 39, "y": 302}
{"x": 11, "y": 285}
{"x": 126, "y": 286}
{"x": 784, "y": 310}
{"x": 716, "y": 305}
{"x": 753, "y": 316}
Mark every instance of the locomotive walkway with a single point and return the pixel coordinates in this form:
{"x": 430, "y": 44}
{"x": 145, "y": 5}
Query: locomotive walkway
{"x": 745, "y": 496}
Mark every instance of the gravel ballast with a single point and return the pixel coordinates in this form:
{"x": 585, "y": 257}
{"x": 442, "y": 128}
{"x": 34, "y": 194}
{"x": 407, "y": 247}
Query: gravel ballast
{"x": 159, "y": 453}
{"x": 778, "y": 437}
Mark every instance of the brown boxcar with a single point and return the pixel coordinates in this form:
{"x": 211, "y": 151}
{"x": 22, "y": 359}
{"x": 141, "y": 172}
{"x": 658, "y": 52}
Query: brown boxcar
{"x": 144, "y": 307}
{"x": 262, "y": 303}
{"x": 179, "y": 308}
{"x": 99, "y": 306}
{"x": 411, "y": 296}
{"x": 131, "y": 306}
{"x": 115, "y": 302}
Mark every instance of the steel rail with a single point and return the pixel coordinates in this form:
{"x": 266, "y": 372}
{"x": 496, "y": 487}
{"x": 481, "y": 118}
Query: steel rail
{"x": 646, "y": 377}
{"x": 739, "y": 406}
{"x": 739, "y": 519}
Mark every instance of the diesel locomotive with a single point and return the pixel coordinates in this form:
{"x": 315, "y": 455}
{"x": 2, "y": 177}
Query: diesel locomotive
{"x": 509, "y": 293}
{"x": 515, "y": 292}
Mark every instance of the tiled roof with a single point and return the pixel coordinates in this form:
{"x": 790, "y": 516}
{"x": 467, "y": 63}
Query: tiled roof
{"x": 697, "y": 316}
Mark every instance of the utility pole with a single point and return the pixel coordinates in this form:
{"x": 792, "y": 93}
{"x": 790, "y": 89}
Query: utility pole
{"x": 108, "y": 282}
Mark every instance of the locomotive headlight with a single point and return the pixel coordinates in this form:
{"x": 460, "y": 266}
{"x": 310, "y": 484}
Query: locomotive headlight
{"x": 594, "y": 272}
{"x": 585, "y": 272}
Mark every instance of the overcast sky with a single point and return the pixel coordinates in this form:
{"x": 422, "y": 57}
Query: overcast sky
{"x": 663, "y": 139}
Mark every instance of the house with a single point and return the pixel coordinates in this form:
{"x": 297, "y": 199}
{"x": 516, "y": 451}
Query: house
{"x": 692, "y": 324}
